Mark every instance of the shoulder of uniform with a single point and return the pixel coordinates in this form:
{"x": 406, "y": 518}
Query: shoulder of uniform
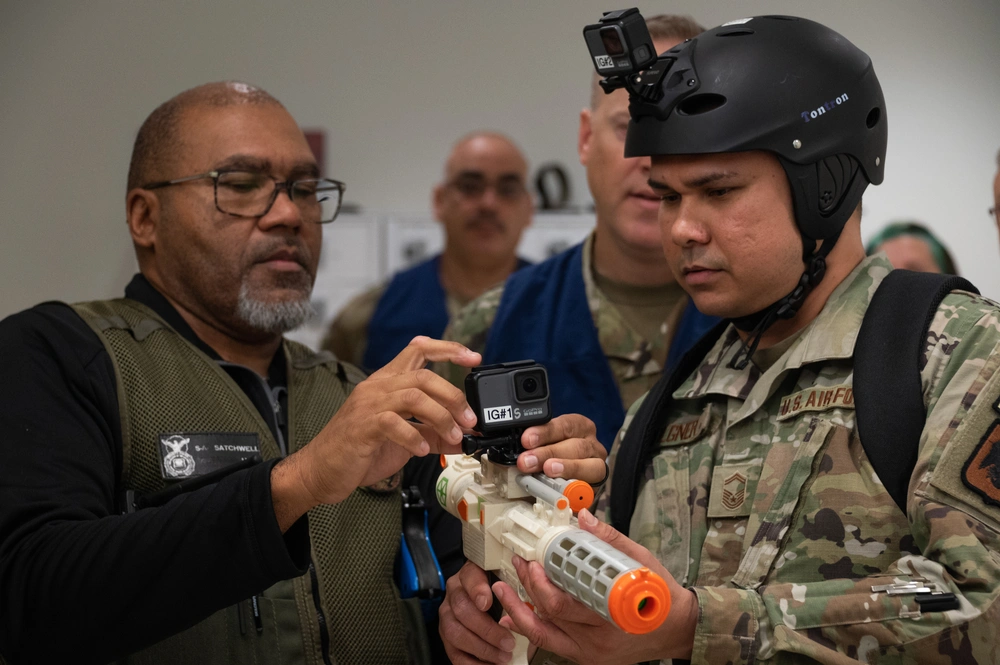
{"x": 476, "y": 317}
{"x": 363, "y": 305}
{"x": 351, "y": 322}
{"x": 963, "y": 315}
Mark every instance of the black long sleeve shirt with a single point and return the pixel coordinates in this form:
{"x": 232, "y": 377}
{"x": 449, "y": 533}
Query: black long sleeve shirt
{"x": 80, "y": 582}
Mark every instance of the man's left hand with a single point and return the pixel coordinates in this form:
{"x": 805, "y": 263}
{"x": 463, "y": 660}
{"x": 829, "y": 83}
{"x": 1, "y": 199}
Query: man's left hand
{"x": 566, "y": 627}
{"x": 564, "y": 447}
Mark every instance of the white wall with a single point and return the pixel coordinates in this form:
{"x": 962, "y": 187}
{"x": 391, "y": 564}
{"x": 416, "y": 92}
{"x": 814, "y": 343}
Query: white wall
{"x": 394, "y": 83}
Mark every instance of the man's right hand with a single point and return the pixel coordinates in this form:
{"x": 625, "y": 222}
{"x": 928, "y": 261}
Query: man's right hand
{"x": 371, "y": 436}
{"x": 470, "y": 635}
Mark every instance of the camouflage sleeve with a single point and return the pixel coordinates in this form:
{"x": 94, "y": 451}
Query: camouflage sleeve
{"x": 954, "y": 513}
{"x": 470, "y": 327}
{"x": 347, "y": 337}
{"x": 602, "y": 500}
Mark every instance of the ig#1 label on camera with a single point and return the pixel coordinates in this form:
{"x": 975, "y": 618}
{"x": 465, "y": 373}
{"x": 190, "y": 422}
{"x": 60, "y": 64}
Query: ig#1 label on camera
{"x": 498, "y": 414}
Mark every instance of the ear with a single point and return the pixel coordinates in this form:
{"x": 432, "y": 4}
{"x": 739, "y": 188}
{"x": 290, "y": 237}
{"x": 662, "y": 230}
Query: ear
{"x": 586, "y": 132}
{"x": 438, "y": 201}
{"x": 142, "y": 211}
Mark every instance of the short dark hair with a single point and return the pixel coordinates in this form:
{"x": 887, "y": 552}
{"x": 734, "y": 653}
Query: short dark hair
{"x": 942, "y": 257}
{"x": 157, "y": 141}
{"x": 662, "y": 27}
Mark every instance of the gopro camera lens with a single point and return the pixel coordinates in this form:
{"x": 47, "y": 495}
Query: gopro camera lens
{"x": 530, "y": 386}
{"x": 612, "y": 41}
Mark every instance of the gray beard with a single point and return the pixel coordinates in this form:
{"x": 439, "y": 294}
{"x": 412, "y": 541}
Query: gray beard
{"x": 272, "y": 317}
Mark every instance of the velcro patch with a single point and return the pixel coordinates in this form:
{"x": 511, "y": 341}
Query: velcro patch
{"x": 817, "y": 399}
{"x": 190, "y": 455}
{"x": 981, "y": 472}
{"x": 686, "y": 429}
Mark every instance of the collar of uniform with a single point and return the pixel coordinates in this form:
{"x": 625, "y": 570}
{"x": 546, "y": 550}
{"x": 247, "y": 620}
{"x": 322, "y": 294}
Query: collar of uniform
{"x": 830, "y": 336}
{"x": 616, "y": 337}
{"x": 142, "y": 291}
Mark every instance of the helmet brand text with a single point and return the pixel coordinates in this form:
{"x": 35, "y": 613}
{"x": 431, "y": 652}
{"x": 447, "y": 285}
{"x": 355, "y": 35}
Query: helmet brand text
{"x": 829, "y": 106}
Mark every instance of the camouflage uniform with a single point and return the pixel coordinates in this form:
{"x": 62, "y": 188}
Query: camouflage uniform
{"x": 635, "y": 362}
{"x": 761, "y": 499}
{"x": 347, "y": 337}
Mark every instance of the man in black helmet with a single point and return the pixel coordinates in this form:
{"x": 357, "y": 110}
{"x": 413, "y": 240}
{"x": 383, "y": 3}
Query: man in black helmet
{"x": 797, "y": 506}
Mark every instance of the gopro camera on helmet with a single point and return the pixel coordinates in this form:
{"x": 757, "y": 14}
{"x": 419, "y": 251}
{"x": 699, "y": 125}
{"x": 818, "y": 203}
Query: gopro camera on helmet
{"x": 507, "y": 398}
{"x": 624, "y": 55}
{"x": 620, "y": 44}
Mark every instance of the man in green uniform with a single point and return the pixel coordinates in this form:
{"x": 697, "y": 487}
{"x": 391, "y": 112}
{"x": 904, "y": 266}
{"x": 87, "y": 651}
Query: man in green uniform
{"x": 746, "y": 480}
{"x": 631, "y": 308}
{"x": 178, "y": 482}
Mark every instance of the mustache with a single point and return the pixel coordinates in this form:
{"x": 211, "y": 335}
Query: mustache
{"x": 296, "y": 249}
{"x": 691, "y": 257}
{"x": 486, "y": 218}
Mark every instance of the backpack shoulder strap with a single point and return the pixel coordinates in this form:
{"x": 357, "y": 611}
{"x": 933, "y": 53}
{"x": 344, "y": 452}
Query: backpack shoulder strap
{"x": 646, "y": 428}
{"x": 888, "y": 397}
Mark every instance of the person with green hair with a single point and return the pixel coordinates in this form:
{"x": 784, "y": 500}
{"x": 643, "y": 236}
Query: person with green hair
{"x": 911, "y": 245}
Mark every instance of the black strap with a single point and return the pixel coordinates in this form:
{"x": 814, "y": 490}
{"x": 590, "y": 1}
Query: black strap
{"x": 428, "y": 582}
{"x": 647, "y": 426}
{"x": 888, "y": 397}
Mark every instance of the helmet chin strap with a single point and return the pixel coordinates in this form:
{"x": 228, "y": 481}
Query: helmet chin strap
{"x": 758, "y": 322}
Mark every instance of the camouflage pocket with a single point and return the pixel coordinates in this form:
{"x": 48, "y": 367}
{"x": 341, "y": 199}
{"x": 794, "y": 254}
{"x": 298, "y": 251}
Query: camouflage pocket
{"x": 784, "y": 478}
{"x": 671, "y": 482}
{"x": 662, "y": 519}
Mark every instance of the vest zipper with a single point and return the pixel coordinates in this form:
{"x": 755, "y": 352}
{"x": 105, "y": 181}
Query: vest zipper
{"x": 272, "y": 397}
{"x": 257, "y": 621}
{"x": 324, "y": 636}
{"x": 279, "y": 415}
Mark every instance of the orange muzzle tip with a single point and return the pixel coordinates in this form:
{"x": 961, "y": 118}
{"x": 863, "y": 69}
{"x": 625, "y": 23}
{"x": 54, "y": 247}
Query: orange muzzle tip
{"x": 639, "y": 601}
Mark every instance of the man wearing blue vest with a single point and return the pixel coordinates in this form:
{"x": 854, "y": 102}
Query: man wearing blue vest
{"x": 484, "y": 207}
{"x": 605, "y": 317}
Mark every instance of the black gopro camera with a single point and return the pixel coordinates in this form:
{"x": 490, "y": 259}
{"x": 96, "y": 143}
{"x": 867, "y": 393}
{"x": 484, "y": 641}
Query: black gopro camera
{"x": 620, "y": 44}
{"x": 625, "y": 57}
{"x": 507, "y": 398}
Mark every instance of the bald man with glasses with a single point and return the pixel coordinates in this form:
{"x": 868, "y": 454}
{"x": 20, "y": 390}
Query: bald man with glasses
{"x": 484, "y": 207}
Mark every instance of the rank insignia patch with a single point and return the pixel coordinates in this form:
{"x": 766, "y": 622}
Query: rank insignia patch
{"x": 981, "y": 473}
{"x": 734, "y": 491}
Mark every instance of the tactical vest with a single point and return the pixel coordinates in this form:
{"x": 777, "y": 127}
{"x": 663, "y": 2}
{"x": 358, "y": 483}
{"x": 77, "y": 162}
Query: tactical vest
{"x": 347, "y": 600}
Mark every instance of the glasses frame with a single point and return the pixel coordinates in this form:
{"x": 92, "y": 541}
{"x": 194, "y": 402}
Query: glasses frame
{"x": 279, "y": 186}
{"x": 454, "y": 185}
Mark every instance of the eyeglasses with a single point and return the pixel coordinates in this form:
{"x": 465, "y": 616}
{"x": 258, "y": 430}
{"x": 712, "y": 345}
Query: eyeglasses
{"x": 251, "y": 194}
{"x": 508, "y": 188}
{"x": 993, "y": 213}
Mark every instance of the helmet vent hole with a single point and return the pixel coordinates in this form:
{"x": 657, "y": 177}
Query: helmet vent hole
{"x": 699, "y": 104}
{"x": 873, "y": 117}
{"x": 735, "y": 33}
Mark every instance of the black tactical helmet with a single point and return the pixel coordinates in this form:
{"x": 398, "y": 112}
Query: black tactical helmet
{"x": 783, "y": 84}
